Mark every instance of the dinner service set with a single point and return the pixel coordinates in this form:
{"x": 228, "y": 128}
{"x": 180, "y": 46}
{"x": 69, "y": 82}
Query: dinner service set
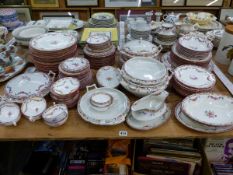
{"x": 206, "y": 112}
{"x": 76, "y": 67}
{"x": 10, "y": 64}
{"x": 56, "y": 115}
{"x": 138, "y": 48}
{"x": 96, "y": 105}
{"x": 193, "y": 49}
{"x": 24, "y": 34}
{"x": 100, "y": 51}
{"x": 143, "y": 76}
{"x": 49, "y": 49}
{"x": 149, "y": 112}
{"x": 166, "y": 36}
{"x": 9, "y": 18}
{"x": 215, "y": 36}
{"x": 189, "y": 79}
{"x": 108, "y": 76}
{"x": 200, "y": 18}
{"x": 65, "y": 90}
{"x": 102, "y": 20}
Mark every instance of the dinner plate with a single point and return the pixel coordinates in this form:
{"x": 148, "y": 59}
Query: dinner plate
{"x": 209, "y": 108}
{"x": 119, "y": 108}
{"x": 192, "y": 124}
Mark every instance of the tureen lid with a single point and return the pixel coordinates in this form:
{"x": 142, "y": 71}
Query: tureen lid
{"x": 140, "y": 47}
{"x": 55, "y": 113}
{"x": 97, "y": 39}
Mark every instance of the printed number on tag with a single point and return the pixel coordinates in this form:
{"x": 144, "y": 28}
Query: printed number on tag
{"x": 123, "y": 133}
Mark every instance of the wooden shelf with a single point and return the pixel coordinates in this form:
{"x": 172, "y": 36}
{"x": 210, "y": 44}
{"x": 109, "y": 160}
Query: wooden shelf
{"x": 76, "y": 129}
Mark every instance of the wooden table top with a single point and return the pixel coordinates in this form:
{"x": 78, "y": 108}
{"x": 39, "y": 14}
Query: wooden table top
{"x": 76, "y": 128}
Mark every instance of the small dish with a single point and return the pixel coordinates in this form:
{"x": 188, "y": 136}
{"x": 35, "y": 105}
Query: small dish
{"x": 55, "y": 115}
{"x": 33, "y": 107}
{"x": 108, "y": 76}
{"x": 9, "y": 114}
{"x": 101, "y": 101}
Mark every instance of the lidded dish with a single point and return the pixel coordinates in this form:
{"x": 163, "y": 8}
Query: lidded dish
{"x": 55, "y": 115}
{"x": 102, "y": 20}
{"x": 33, "y": 107}
{"x": 9, "y": 114}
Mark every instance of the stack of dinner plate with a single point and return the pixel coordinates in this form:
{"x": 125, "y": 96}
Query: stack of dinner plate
{"x": 77, "y": 67}
{"x": 24, "y": 34}
{"x": 140, "y": 31}
{"x": 143, "y": 76}
{"x": 9, "y": 18}
{"x": 193, "y": 49}
{"x": 102, "y": 20}
{"x": 49, "y": 49}
{"x": 189, "y": 79}
{"x": 206, "y": 112}
{"x": 65, "y": 90}
{"x": 100, "y": 51}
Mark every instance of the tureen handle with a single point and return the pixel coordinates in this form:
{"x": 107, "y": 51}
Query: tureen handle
{"x": 52, "y": 75}
{"x": 196, "y": 26}
{"x": 160, "y": 48}
{"x": 91, "y": 87}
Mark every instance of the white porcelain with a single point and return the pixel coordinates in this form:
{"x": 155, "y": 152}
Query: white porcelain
{"x": 65, "y": 86}
{"x": 155, "y": 25}
{"x": 194, "y": 76}
{"x": 213, "y": 25}
{"x": 167, "y": 29}
{"x": 144, "y": 91}
{"x": 146, "y": 71}
{"x": 130, "y": 38}
{"x": 33, "y": 107}
{"x": 102, "y": 16}
{"x": 55, "y": 115}
{"x": 101, "y": 101}
{"x": 192, "y": 124}
{"x": 209, "y": 108}
{"x": 187, "y": 28}
{"x": 75, "y": 64}
{"x": 223, "y": 54}
{"x": 152, "y": 102}
{"x": 97, "y": 39}
{"x": 108, "y": 76}
{"x": 69, "y": 31}
{"x": 171, "y": 17}
{"x": 141, "y": 48}
{"x": 28, "y": 84}
{"x": 215, "y": 36}
{"x": 202, "y": 18}
{"x": 19, "y": 65}
{"x": 230, "y": 69}
{"x": 28, "y": 32}
{"x": 143, "y": 126}
{"x": 53, "y": 41}
{"x": 9, "y": 114}
{"x": 196, "y": 43}
{"x": 118, "y": 110}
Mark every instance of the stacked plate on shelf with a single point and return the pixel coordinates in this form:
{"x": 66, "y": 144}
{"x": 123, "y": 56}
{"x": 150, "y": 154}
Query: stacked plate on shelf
{"x": 206, "y": 112}
{"x": 77, "y": 67}
{"x": 24, "y": 34}
{"x": 149, "y": 112}
{"x": 190, "y": 49}
{"x": 65, "y": 90}
{"x": 100, "y": 51}
{"x": 139, "y": 48}
{"x": 143, "y": 76}
{"x": 102, "y": 20}
{"x": 141, "y": 31}
{"x": 189, "y": 79}
{"x": 48, "y": 50}
{"x": 9, "y": 18}
{"x": 96, "y": 105}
